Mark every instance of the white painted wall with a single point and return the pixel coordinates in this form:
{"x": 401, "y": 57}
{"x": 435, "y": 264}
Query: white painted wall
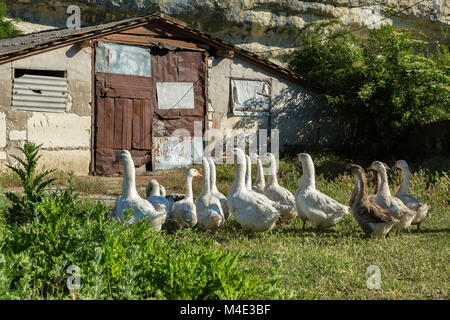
{"x": 66, "y": 137}
{"x": 292, "y": 105}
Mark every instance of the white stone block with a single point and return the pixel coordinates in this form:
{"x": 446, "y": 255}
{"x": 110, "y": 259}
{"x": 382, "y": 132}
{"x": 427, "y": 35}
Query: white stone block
{"x": 3, "y": 156}
{"x": 17, "y": 135}
{"x": 59, "y": 130}
{"x": 2, "y": 130}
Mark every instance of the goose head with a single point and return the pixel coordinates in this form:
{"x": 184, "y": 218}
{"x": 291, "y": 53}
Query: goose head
{"x": 353, "y": 169}
{"x": 400, "y": 164}
{"x": 303, "y": 157}
{"x": 195, "y": 173}
{"x": 378, "y": 166}
{"x": 153, "y": 188}
{"x": 125, "y": 157}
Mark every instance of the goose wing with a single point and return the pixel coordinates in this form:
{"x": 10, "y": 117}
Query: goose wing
{"x": 374, "y": 214}
{"x": 320, "y": 204}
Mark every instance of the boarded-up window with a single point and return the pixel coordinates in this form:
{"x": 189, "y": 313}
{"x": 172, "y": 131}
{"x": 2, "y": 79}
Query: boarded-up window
{"x": 123, "y": 59}
{"x": 175, "y": 95}
{"x": 250, "y": 96}
{"x": 40, "y": 90}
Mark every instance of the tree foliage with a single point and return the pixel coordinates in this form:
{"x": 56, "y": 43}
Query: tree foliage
{"x": 7, "y": 29}
{"x": 376, "y": 85}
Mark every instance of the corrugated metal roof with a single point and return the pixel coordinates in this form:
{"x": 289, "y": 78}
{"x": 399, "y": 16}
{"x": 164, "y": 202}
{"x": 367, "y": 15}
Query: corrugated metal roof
{"x": 17, "y": 47}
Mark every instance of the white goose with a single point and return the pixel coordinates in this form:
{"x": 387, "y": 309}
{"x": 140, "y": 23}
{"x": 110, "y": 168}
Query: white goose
{"x": 252, "y": 210}
{"x": 184, "y": 212}
{"x": 156, "y": 198}
{"x": 209, "y": 210}
{"x": 215, "y": 192}
{"x": 300, "y": 212}
{"x": 259, "y": 184}
{"x": 410, "y": 201}
{"x": 393, "y": 206}
{"x": 321, "y": 210}
{"x": 130, "y": 199}
{"x": 282, "y": 197}
{"x": 248, "y": 173}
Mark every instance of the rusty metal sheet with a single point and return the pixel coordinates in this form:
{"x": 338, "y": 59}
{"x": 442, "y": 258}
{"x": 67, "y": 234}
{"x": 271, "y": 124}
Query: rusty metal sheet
{"x": 174, "y": 152}
{"x": 180, "y": 66}
{"x": 142, "y": 133}
{"x": 123, "y": 59}
{"x": 124, "y": 86}
{"x": 107, "y": 160}
{"x": 166, "y": 127}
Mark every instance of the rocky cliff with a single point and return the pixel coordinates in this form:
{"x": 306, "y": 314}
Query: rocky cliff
{"x": 257, "y": 25}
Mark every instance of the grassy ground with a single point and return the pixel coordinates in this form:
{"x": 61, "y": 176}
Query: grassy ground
{"x": 333, "y": 265}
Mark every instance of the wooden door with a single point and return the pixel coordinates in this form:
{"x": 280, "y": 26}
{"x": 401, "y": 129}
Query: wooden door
{"x": 123, "y": 120}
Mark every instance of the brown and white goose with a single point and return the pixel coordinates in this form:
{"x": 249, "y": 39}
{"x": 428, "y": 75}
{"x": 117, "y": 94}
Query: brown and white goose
{"x": 373, "y": 220}
{"x": 393, "y": 206}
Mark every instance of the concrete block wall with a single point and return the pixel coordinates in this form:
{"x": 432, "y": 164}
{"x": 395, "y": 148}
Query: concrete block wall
{"x": 65, "y": 137}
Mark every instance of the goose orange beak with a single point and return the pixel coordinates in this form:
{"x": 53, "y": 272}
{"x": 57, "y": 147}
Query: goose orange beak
{"x": 296, "y": 158}
{"x": 199, "y": 174}
{"x": 226, "y": 154}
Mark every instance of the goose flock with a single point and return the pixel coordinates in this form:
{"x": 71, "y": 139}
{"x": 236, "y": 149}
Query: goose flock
{"x": 258, "y": 207}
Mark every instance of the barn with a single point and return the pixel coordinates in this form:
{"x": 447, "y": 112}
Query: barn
{"x": 152, "y": 85}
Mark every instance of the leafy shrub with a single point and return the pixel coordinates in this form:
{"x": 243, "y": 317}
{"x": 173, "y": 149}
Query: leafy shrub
{"x": 23, "y": 207}
{"x": 7, "y": 29}
{"x": 377, "y": 86}
{"x": 117, "y": 262}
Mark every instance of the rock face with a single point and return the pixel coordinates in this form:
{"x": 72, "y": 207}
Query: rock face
{"x": 256, "y": 25}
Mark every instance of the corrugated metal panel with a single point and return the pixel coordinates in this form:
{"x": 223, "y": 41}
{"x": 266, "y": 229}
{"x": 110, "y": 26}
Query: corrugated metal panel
{"x": 40, "y": 93}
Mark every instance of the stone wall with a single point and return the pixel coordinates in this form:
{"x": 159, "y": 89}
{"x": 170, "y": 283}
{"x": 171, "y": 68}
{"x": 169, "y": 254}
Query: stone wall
{"x": 256, "y": 25}
{"x": 65, "y": 137}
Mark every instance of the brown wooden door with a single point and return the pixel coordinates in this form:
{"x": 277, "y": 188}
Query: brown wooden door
{"x": 123, "y": 120}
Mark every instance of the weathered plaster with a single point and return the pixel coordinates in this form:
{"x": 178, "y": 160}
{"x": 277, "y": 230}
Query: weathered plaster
{"x": 66, "y": 160}
{"x": 59, "y": 130}
{"x": 292, "y": 106}
{"x": 65, "y": 137}
{"x": 17, "y": 135}
{"x": 2, "y": 130}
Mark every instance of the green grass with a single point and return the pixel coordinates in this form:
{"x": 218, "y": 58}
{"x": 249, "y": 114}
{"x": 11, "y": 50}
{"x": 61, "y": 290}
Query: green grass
{"x": 287, "y": 263}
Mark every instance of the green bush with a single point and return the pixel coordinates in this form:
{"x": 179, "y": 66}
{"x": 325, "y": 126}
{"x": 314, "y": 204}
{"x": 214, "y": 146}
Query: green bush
{"x": 7, "y": 29}
{"x": 23, "y": 207}
{"x": 377, "y": 85}
{"x": 116, "y": 262}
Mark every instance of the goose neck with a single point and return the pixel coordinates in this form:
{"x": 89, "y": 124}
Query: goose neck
{"x": 239, "y": 180}
{"x": 206, "y": 187}
{"x": 189, "y": 193}
{"x": 308, "y": 180}
{"x": 129, "y": 180}
{"x": 384, "y": 186}
{"x": 361, "y": 188}
{"x": 213, "y": 176}
{"x": 260, "y": 173}
{"x": 404, "y": 186}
